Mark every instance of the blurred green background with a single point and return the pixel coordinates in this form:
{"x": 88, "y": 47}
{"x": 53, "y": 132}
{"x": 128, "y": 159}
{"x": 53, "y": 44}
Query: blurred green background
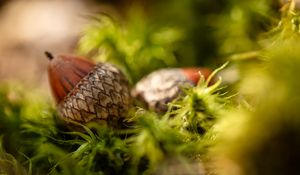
{"x": 140, "y": 36}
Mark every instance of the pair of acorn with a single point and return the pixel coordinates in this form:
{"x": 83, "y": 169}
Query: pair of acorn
{"x": 89, "y": 92}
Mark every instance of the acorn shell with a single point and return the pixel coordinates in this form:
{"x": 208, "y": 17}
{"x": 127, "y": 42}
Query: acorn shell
{"x": 65, "y": 71}
{"x": 160, "y": 87}
{"x": 87, "y": 92}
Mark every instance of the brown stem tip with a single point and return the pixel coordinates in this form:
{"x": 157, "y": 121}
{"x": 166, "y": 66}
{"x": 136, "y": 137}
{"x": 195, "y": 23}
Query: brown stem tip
{"x": 49, "y": 55}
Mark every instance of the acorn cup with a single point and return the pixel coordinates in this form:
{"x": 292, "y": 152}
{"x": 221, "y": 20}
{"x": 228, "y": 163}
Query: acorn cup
{"x": 160, "y": 87}
{"x": 88, "y": 92}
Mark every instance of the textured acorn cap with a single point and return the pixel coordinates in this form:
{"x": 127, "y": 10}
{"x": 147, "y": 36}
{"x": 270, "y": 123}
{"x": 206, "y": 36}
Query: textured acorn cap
{"x": 88, "y": 92}
{"x": 162, "y": 86}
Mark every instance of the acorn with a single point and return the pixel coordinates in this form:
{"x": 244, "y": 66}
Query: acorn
{"x": 160, "y": 87}
{"x": 88, "y": 92}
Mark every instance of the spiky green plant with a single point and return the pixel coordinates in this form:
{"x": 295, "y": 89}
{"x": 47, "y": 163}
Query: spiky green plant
{"x": 200, "y": 106}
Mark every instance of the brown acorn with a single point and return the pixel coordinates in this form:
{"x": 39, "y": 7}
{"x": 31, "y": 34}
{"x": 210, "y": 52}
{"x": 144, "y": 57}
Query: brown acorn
{"x": 86, "y": 92}
{"x": 162, "y": 86}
